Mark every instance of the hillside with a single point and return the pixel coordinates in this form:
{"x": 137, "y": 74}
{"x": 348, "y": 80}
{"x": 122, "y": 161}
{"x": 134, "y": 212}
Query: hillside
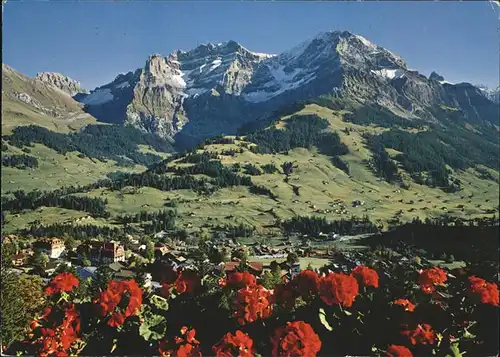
{"x": 48, "y": 141}
{"x": 232, "y": 183}
{"x": 335, "y": 128}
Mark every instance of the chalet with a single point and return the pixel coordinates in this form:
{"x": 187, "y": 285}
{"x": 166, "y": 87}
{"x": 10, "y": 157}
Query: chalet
{"x": 85, "y": 272}
{"x": 47, "y": 270}
{"x": 253, "y": 267}
{"x": 102, "y": 253}
{"x": 116, "y": 266}
{"x": 160, "y": 250}
{"x": 53, "y": 247}
{"x": 176, "y": 260}
{"x": 124, "y": 274}
{"x": 19, "y": 259}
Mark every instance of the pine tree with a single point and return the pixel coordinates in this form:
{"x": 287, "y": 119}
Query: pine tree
{"x": 100, "y": 280}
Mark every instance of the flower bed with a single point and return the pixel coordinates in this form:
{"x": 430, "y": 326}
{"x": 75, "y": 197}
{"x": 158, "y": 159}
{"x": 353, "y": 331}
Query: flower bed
{"x": 387, "y": 309}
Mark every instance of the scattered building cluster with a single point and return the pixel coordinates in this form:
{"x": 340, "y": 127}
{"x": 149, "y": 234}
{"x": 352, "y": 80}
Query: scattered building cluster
{"x": 132, "y": 257}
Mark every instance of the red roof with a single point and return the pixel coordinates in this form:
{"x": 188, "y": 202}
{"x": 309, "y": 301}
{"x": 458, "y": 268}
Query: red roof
{"x": 256, "y": 266}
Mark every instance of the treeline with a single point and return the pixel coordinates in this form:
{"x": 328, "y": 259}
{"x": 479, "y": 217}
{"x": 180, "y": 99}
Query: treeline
{"x": 315, "y": 225}
{"x": 219, "y": 139}
{"x": 269, "y": 168}
{"x": 470, "y": 240}
{"x": 34, "y": 199}
{"x": 421, "y": 152}
{"x": 80, "y": 232}
{"x": 377, "y": 115}
{"x": 262, "y": 190}
{"x": 300, "y": 131}
{"x": 340, "y": 164}
{"x": 163, "y": 220}
{"x": 429, "y": 152}
{"x": 235, "y": 231}
{"x": 20, "y": 161}
{"x": 221, "y": 175}
{"x": 381, "y": 163}
{"x": 95, "y": 141}
{"x": 196, "y": 158}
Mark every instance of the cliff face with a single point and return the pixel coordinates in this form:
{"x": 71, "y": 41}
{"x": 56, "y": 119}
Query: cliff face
{"x": 60, "y": 81}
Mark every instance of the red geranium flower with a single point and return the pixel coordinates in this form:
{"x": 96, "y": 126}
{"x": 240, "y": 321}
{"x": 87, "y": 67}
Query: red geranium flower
{"x": 295, "y": 339}
{"x": 422, "y": 334}
{"x": 239, "y": 344}
{"x": 429, "y": 278}
{"x": 398, "y": 351}
{"x": 366, "y": 276}
{"x": 338, "y": 288}
{"x": 56, "y": 330}
{"x": 62, "y": 282}
{"x": 252, "y": 303}
{"x": 407, "y": 304}
{"x": 306, "y": 284}
{"x": 186, "y": 346}
{"x": 222, "y": 282}
{"x": 110, "y": 299}
{"x": 186, "y": 282}
{"x": 485, "y": 292}
{"x": 240, "y": 280}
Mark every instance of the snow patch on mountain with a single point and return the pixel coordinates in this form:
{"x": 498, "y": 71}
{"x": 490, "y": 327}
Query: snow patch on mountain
{"x": 263, "y": 55}
{"x": 389, "y": 73}
{"x": 216, "y": 63}
{"x": 99, "y": 96}
{"x": 177, "y": 81}
{"x": 283, "y": 80}
{"x": 123, "y": 85}
{"x": 365, "y": 41}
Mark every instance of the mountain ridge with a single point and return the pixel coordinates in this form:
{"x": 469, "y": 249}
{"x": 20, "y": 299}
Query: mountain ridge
{"x": 216, "y": 88}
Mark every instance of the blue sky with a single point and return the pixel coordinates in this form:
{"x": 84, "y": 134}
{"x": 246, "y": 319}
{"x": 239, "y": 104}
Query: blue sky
{"x": 94, "y": 41}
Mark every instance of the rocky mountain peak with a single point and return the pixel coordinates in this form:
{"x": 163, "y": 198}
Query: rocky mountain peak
{"x": 435, "y": 76}
{"x": 61, "y": 82}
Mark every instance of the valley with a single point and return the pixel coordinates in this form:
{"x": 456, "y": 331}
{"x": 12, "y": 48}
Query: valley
{"x": 324, "y": 200}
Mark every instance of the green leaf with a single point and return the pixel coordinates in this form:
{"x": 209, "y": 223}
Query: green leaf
{"x": 467, "y": 334}
{"x": 322, "y": 319}
{"x": 153, "y": 328}
{"x": 114, "y": 345}
{"x": 159, "y": 302}
{"x": 455, "y": 350}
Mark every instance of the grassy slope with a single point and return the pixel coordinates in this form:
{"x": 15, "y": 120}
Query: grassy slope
{"x": 55, "y": 170}
{"x": 60, "y": 112}
{"x": 320, "y": 184}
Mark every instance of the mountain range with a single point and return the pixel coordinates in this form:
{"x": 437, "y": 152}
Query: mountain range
{"x": 216, "y": 88}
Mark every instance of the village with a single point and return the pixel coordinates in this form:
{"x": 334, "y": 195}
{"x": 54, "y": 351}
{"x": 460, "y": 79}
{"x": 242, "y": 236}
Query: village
{"x": 131, "y": 257}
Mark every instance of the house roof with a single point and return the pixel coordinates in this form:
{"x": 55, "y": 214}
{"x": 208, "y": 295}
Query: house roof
{"x": 125, "y": 274}
{"x": 19, "y": 256}
{"x": 85, "y": 272}
{"x": 116, "y": 266}
{"x": 230, "y": 266}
